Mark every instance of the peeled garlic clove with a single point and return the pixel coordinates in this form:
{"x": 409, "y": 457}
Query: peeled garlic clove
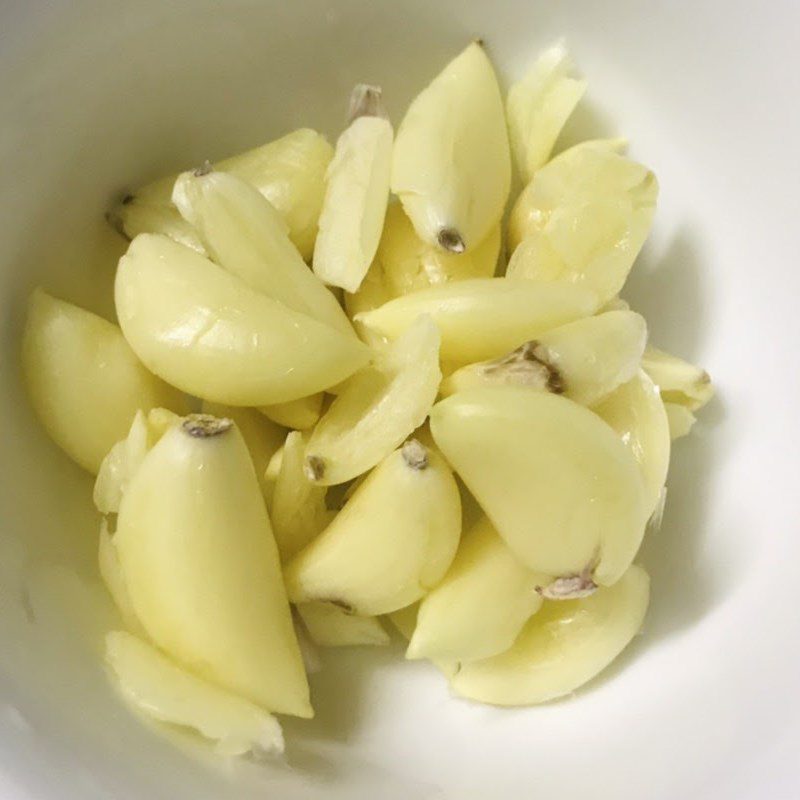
{"x": 583, "y": 218}
{"x": 451, "y": 166}
{"x": 200, "y": 562}
{"x": 208, "y": 333}
{"x": 354, "y": 207}
{"x": 111, "y": 573}
{"x": 246, "y": 236}
{"x": 299, "y": 415}
{"x": 379, "y": 408}
{"x": 297, "y": 511}
{"x": 537, "y": 107}
{"x": 132, "y": 217}
{"x": 160, "y": 689}
{"x": 410, "y": 263}
{"x": 679, "y": 381}
{"x": 680, "y": 419}
{"x": 289, "y": 172}
{"x": 562, "y": 647}
{"x": 84, "y": 381}
{"x": 262, "y": 436}
{"x": 393, "y": 540}
{"x": 557, "y": 483}
{"x": 584, "y": 360}
{"x": 484, "y": 318}
{"x": 481, "y": 604}
{"x": 636, "y": 412}
{"x": 332, "y": 626}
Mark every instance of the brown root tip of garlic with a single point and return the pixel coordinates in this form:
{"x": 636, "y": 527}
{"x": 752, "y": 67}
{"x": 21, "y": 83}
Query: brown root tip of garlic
{"x": 415, "y": 455}
{"x": 569, "y": 587}
{"x": 204, "y": 426}
{"x": 366, "y": 101}
{"x": 450, "y": 239}
{"x": 518, "y": 363}
{"x": 314, "y": 468}
{"x": 204, "y": 169}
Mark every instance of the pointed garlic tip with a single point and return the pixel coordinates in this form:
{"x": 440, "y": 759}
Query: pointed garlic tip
{"x": 415, "y": 455}
{"x": 450, "y": 239}
{"x": 204, "y": 169}
{"x": 366, "y": 101}
{"x": 314, "y": 468}
{"x": 204, "y": 426}
{"x": 570, "y": 587}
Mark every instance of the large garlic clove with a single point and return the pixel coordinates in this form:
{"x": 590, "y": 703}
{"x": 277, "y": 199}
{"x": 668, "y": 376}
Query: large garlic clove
{"x": 329, "y": 625}
{"x": 583, "y": 218}
{"x": 356, "y": 195}
{"x": 262, "y": 436}
{"x": 201, "y": 566}
{"x": 480, "y": 606}
{"x": 537, "y": 107}
{"x": 160, "y": 689}
{"x": 394, "y": 539}
{"x": 410, "y": 263}
{"x": 484, "y": 318}
{"x": 246, "y": 236}
{"x": 560, "y": 487}
{"x": 378, "y": 408}
{"x": 451, "y": 166}
{"x": 289, "y": 172}
{"x": 679, "y": 381}
{"x": 562, "y": 647}
{"x": 84, "y": 381}
{"x": 299, "y": 415}
{"x": 636, "y": 412}
{"x": 297, "y": 507}
{"x": 208, "y": 333}
{"x": 584, "y": 360}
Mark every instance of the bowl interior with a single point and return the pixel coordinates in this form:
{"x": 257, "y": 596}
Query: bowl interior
{"x": 100, "y": 97}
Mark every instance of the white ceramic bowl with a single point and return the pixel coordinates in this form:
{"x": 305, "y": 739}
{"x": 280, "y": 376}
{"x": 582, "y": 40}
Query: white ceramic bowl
{"x": 99, "y": 96}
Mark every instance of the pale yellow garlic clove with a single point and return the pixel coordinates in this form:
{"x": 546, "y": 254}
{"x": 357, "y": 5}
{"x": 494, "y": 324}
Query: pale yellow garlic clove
{"x": 557, "y": 483}
{"x": 584, "y": 360}
{"x": 484, "y": 318}
{"x": 451, "y": 167}
{"x": 297, "y": 507}
{"x": 481, "y": 604}
{"x": 201, "y": 566}
{"x": 679, "y": 381}
{"x": 207, "y": 332}
{"x": 158, "y": 688}
{"x": 83, "y": 379}
{"x": 394, "y": 539}
{"x": 244, "y": 234}
{"x": 562, "y": 647}
{"x": 538, "y": 106}
{"x": 379, "y": 407}
{"x": 636, "y": 412}
{"x": 680, "y": 419}
{"x": 332, "y": 626}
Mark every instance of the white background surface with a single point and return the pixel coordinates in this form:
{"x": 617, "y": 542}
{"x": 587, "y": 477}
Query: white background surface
{"x": 100, "y": 96}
